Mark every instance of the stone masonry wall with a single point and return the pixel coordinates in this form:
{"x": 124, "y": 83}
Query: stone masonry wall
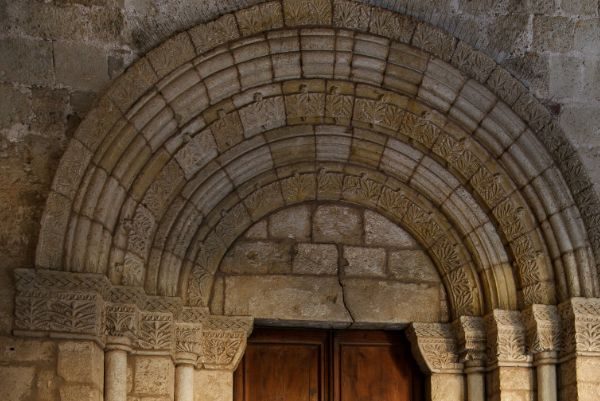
{"x": 329, "y": 263}
{"x": 56, "y": 56}
{"x": 51, "y": 370}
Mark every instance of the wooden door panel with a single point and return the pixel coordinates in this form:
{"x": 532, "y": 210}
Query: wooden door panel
{"x": 371, "y": 366}
{"x": 283, "y": 365}
{"x": 320, "y": 365}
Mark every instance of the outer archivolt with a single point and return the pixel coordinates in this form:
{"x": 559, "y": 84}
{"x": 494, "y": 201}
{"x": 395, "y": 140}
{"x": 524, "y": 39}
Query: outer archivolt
{"x": 157, "y": 169}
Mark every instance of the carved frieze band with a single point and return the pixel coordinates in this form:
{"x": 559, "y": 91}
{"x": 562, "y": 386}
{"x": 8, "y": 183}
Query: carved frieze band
{"x": 434, "y": 346}
{"x": 64, "y": 304}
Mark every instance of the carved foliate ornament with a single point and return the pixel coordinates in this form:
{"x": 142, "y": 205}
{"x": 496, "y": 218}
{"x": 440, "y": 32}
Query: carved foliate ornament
{"x": 542, "y": 324}
{"x": 471, "y": 339}
{"x": 223, "y": 341}
{"x": 435, "y": 347}
{"x": 507, "y": 342}
{"x": 580, "y": 319}
{"x": 122, "y": 320}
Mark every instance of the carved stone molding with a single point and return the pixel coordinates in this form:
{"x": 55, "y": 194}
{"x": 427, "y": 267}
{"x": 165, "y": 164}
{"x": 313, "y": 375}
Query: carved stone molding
{"x": 542, "y": 326}
{"x": 434, "y": 347}
{"x": 580, "y": 319}
{"x": 507, "y": 342}
{"x": 75, "y": 305}
{"x": 471, "y": 340}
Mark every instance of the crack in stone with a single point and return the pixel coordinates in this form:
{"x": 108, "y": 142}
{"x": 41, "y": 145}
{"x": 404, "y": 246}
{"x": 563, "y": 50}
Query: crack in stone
{"x": 341, "y": 263}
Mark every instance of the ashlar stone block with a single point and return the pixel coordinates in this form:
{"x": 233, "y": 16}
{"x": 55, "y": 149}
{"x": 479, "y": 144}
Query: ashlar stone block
{"x": 333, "y": 223}
{"x": 364, "y": 262}
{"x": 412, "y": 265}
{"x": 318, "y": 259}
{"x": 258, "y": 257}
{"x": 291, "y": 223}
{"x": 314, "y": 299}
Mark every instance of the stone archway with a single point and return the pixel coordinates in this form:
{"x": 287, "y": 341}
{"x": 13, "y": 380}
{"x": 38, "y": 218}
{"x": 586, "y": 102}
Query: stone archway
{"x": 289, "y": 102}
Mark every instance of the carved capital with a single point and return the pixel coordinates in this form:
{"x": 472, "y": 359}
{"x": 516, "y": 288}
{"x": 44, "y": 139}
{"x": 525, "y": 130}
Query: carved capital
{"x": 581, "y": 326}
{"x": 471, "y": 339}
{"x": 122, "y": 320}
{"x": 435, "y": 347}
{"x": 507, "y": 343}
{"x": 188, "y": 337}
{"x": 542, "y": 325}
{"x": 223, "y": 341}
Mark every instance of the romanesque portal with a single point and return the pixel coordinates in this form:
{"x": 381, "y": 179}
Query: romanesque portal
{"x": 317, "y": 163}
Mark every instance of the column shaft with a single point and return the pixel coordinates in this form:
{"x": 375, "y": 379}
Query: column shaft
{"x": 115, "y": 375}
{"x": 546, "y": 382}
{"x": 184, "y": 382}
{"x": 476, "y": 386}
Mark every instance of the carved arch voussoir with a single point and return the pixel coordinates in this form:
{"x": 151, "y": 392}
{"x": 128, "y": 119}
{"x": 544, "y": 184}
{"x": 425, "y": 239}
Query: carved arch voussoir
{"x": 147, "y": 104}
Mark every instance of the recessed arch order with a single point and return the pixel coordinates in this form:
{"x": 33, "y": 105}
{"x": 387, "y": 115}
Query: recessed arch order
{"x": 271, "y": 106}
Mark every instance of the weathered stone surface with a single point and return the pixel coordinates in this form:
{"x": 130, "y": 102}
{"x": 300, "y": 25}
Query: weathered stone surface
{"x": 364, "y": 262}
{"x": 412, "y": 266}
{"x": 78, "y": 392}
{"x": 153, "y": 375}
{"x": 215, "y": 385}
{"x": 81, "y": 362}
{"x": 292, "y": 223}
{"x": 15, "y": 382}
{"x": 26, "y": 61}
{"x": 70, "y": 71}
{"x": 258, "y": 258}
{"x": 375, "y": 301}
{"x": 315, "y": 259}
{"x": 337, "y": 224}
{"x": 257, "y": 231}
{"x": 379, "y": 231}
{"x": 286, "y": 298}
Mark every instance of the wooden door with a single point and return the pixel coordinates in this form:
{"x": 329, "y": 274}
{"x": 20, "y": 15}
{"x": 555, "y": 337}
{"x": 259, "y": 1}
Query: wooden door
{"x": 373, "y": 365}
{"x": 284, "y": 365}
{"x": 320, "y": 365}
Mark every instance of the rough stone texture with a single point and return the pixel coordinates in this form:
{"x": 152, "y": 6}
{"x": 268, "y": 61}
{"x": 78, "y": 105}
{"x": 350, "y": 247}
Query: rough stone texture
{"x": 337, "y": 224}
{"x": 81, "y": 362}
{"x": 258, "y": 257}
{"x": 379, "y": 231}
{"x": 376, "y": 301}
{"x": 286, "y": 298}
{"x": 215, "y": 385}
{"x": 153, "y": 376}
{"x": 365, "y": 262}
{"x": 412, "y": 265}
{"x": 316, "y": 259}
{"x": 292, "y": 223}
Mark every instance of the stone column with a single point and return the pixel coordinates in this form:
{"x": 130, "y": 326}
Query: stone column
{"x": 435, "y": 349}
{"x": 222, "y": 345}
{"x": 115, "y": 368}
{"x": 187, "y": 346}
{"x": 471, "y": 337}
{"x": 580, "y": 355}
{"x": 543, "y": 336}
{"x": 509, "y": 373}
{"x": 121, "y": 326}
